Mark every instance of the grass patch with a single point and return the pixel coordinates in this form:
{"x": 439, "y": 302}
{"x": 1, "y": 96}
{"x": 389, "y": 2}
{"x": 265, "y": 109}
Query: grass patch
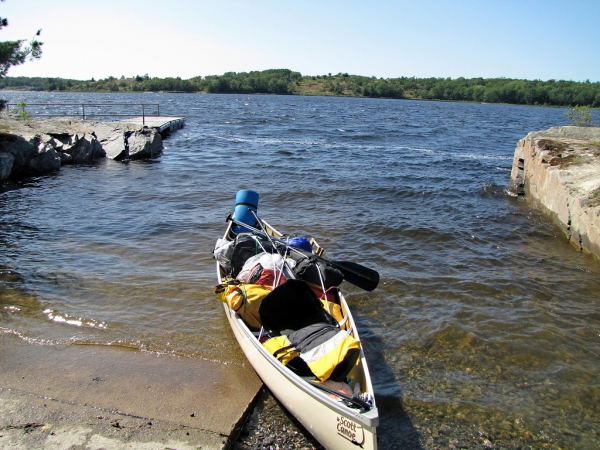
{"x": 554, "y": 147}
{"x": 594, "y": 199}
{"x": 564, "y": 161}
{"x": 594, "y": 147}
{"x": 559, "y": 153}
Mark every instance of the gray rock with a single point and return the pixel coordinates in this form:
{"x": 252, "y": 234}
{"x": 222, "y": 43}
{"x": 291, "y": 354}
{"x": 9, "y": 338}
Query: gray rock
{"x": 42, "y": 146}
{"x": 6, "y": 164}
{"x": 21, "y": 150}
{"x": 65, "y": 158}
{"x": 558, "y": 172}
{"x": 85, "y": 149}
{"x": 570, "y": 132}
{"x": 115, "y": 147}
{"x": 145, "y": 143}
{"x": 112, "y": 138}
{"x": 45, "y": 160}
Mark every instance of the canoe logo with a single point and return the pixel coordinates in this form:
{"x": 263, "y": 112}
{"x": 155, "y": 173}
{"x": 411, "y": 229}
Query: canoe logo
{"x": 350, "y": 430}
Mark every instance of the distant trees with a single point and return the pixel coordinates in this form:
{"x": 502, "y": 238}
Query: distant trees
{"x": 273, "y": 81}
{"x": 494, "y": 90}
{"x": 284, "y": 81}
{"x": 383, "y": 88}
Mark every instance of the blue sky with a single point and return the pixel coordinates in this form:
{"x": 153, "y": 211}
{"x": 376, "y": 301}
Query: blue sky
{"x": 530, "y": 39}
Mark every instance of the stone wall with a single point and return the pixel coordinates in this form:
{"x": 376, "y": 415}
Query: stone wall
{"x": 558, "y": 171}
{"x": 38, "y": 147}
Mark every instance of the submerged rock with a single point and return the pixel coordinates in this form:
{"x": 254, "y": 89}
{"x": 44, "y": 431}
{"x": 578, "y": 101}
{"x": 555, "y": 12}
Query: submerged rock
{"x": 43, "y": 146}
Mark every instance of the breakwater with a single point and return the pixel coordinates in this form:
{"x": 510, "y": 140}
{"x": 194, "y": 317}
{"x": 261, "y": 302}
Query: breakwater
{"x": 43, "y": 146}
{"x": 558, "y": 171}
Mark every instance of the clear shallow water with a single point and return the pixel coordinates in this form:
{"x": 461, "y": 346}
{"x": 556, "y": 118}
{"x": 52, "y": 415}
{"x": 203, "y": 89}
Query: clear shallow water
{"x": 485, "y": 325}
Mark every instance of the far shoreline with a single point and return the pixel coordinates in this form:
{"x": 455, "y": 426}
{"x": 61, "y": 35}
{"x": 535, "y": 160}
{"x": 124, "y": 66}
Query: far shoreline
{"x": 552, "y": 93}
{"x": 470, "y": 102}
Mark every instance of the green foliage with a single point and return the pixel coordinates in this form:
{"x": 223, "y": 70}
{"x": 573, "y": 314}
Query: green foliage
{"x": 496, "y": 90}
{"x": 13, "y": 53}
{"x": 21, "y": 112}
{"x": 284, "y": 81}
{"x": 273, "y": 81}
{"x": 594, "y": 199}
{"x": 580, "y": 116}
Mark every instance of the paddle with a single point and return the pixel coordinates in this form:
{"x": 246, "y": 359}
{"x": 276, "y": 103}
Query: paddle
{"x": 354, "y": 273}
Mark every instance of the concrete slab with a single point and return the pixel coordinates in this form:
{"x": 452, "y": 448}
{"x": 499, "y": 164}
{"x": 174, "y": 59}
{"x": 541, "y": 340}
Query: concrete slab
{"x": 94, "y": 393}
{"x": 160, "y": 123}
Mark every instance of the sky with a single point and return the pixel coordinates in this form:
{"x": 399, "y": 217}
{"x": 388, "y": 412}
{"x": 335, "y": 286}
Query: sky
{"x": 524, "y": 39}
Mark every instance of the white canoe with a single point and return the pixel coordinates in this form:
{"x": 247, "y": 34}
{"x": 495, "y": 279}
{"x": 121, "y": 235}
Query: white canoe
{"x": 334, "y": 424}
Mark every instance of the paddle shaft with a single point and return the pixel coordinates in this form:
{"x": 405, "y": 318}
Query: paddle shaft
{"x": 354, "y": 273}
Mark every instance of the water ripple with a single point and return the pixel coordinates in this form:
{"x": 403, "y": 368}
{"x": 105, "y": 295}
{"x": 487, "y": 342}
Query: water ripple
{"x": 485, "y": 316}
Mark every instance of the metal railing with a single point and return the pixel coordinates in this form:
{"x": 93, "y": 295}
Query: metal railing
{"x": 95, "y": 108}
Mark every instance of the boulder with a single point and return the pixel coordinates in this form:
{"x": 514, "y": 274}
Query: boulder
{"x": 145, "y": 143}
{"x": 85, "y": 149}
{"x": 115, "y": 147}
{"x": 112, "y": 137}
{"x": 42, "y": 146}
{"x": 45, "y": 160}
{"x": 558, "y": 172}
{"x": 6, "y": 164}
{"x": 28, "y": 154}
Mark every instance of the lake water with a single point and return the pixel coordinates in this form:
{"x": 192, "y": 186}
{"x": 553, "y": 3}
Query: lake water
{"x": 484, "y": 329}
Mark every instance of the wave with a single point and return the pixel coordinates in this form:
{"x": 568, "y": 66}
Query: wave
{"x": 361, "y": 147}
{"x": 67, "y": 319}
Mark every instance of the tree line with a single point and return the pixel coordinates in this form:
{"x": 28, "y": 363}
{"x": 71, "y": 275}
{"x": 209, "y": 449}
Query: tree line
{"x": 287, "y": 82}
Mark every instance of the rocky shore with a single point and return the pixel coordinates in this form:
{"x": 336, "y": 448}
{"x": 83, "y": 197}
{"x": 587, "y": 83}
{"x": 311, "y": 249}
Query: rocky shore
{"x": 558, "y": 172}
{"x": 270, "y": 426}
{"x": 34, "y": 147}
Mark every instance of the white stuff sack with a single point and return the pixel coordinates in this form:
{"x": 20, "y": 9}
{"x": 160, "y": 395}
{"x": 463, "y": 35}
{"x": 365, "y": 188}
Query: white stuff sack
{"x": 272, "y": 261}
{"x": 223, "y": 252}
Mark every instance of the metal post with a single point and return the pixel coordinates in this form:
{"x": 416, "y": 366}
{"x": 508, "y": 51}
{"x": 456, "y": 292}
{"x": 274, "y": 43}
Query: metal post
{"x": 83, "y": 108}
{"x": 158, "y": 110}
{"x": 143, "y": 116}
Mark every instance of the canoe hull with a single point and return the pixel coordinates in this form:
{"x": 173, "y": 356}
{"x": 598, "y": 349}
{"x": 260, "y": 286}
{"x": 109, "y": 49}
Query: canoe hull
{"x": 334, "y": 425}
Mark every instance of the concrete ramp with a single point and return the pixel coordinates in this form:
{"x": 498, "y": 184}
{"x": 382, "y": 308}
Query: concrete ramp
{"x": 118, "y": 398}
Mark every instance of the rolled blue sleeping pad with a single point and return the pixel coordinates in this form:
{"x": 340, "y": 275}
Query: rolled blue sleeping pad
{"x": 300, "y": 242}
{"x": 245, "y": 201}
